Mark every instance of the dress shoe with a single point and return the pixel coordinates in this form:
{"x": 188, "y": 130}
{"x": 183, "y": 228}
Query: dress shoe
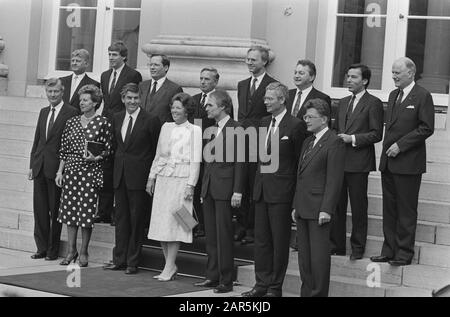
{"x": 272, "y": 294}
{"x": 99, "y": 219}
{"x": 51, "y": 258}
{"x": 114, "y": 267}
{"x": 169, "y": 278}
{"x": 69, "y": 259}
{"x": 339, "y": 253}
{"x": 399, "y": 262}
{"x": 207, "y": 283}
{"x": 380, "y": 258}
{"x": 254, "y": 293}
{"x": 222, "y": 288}
{"x": 38, "y": 255}
{"x": 247, "y": 240}
{"x": 131, "y": 270}
{"x": 355, "y": 256}
{"x": 83, "y": 262}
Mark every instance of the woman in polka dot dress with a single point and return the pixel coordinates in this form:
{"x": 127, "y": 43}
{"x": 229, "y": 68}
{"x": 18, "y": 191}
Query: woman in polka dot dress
{"x": 80, "y": 174}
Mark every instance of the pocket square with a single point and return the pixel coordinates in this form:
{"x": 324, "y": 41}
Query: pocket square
{"x": 285, "y": 138}
{"x": 410, "y": 107}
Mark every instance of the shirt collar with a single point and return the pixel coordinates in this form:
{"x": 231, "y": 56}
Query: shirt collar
{"x": 305, "y": 92}
{"x": 80, "y": 77}
{"x": 359, "y": 95}
{"x": 259, "y": 78}
{"x": 408, "y": 89}
{"x": 223, "y": 122}
{"x": 133, "y": 115}
{"x": 119, "y": 70}
{"x": 208, "y": 93}
{"x": 159, "y": 81}
{"x": 279, "y": 117}
{"x": 58, "y": 106}
{"x": 320, "y": 134}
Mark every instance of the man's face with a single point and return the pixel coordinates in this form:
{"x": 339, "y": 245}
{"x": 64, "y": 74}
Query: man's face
{"x": 274, "y": 104}
{"x": 115, "y": 59}
{"x": 157, "y": 69}
{"x": 401, "y": 75}
{"x": 132, "y": 101}
{"x": 314, "y": 121}
{"x": 355, "y": 82}
{"x": 213, "y": 109}
{"x": 254, "y": 62}
{"x": 207, "y": 81}
{"x": 302, "y": 77}
{"x": 78, "y": 65}
{"x": 54, "y": 94}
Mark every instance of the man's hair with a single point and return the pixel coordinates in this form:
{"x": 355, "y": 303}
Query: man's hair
{"x": 264, "y": 53}
{"x": 312, "y": 67}
{"x": 120, "y": 47}
{"x": 409, "y": 63}
{"x": 212, "y": 70}
{"x": 223, "y": 99}
{"x": 93, "y": 91}
{"x": 187, "y": 101}
{"x": 365, "y": 72}
{"x": 53, "y": 82}
{"x": 130, "y": 87}
{"x": 321, "y": 106}
{"x": 82, "y": 53}
{"x": 165, "y": 60}
{"x": 281, "y": 90}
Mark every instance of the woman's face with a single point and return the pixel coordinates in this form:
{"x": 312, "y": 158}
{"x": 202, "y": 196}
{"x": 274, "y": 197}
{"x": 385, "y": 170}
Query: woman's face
{"x": 179, "y": 113}
{"x": 86, "y": 103}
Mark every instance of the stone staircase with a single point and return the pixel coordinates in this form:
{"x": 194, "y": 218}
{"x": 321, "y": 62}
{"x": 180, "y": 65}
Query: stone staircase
{"x": 431, "y": 268}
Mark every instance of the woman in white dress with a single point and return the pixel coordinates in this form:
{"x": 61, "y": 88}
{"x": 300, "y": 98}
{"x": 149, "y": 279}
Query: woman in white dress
{"x": 172, "y": 180}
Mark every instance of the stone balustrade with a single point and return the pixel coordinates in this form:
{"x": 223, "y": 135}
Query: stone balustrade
{"x": 4, "y": 70}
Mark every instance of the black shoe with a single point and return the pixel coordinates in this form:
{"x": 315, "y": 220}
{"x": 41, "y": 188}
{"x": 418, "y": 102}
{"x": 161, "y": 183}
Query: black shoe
{"x": 399, "y": 262}
{"x": 207, "y": 283}
{"x": 247, "y": 240}
{"x": 100, "y": 219}
{"x": 338, "y": 252}
{"x": 38, "y": 255}
{"x": 272, "y": 294}
{"x": 113, "y": 223}
{"x": 254, "y": 293}
{"x": 114, "y": 267}
{"x": 355, "y": 256}
{"x": 239, "y": 235}
{"x": 222, "y": 288}
{"x": 131, "y": 270}
{"x": 69, "y": 259}
{"x": 380, "y": 258}
{"x": 51, "y": 258}
{"x": 83, "y": 263}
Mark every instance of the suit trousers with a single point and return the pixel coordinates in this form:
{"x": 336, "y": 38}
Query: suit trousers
{"x": 400, "y": 200}
{"x": 245, "y": 215}
{"x": 314, "y": 257}
{"x": 355, "y": 188}
{"x": 130, "y": 216}
{"x": 219, "y": 240}
{"x": 106, "y": 194}
{"x": 47, "y": 229}
{"x": 272, "y": 236}
{"x": 197, "y": 205}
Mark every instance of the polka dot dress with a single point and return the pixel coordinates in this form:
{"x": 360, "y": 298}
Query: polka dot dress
{"x": 82, "y": 180}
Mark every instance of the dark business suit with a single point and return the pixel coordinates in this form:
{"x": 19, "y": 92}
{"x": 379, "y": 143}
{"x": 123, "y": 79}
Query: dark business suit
{"x": 44, "y": 162}
{"x": 366, "y": 124}
{"x": 314, "y": 94}
{"x": 319, "y": 183}
{"x": 409, "y": 125}
{"x": 273, "y": 193}
{"x": 132, "y": 164}
{"x": 112, "y": 104}
{"x": 220, "y": 180}
{"x": 159, "y": 104}
{"x": 251, "y": 110}
{"x": 67, "y": 83}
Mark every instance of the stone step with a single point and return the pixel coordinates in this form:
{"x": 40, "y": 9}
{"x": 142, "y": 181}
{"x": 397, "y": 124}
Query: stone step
{"x": 16, "y": 200}
{"x": 424, "y": 276}
{"x": 22, "y": 104}
{"x": 435, "y": 191}
{"x": 17, "y": 219}
{"x": 16, "y": 148}
{"x": 436, "y": 172}
{"x": 17, "y": 240}
{"x": 432, "y": 211}
{"x": 15, "y": 182}
{"x": 14, "y": 164}
{"x": 26, "y": 118}
{"x": 17, "y": 132}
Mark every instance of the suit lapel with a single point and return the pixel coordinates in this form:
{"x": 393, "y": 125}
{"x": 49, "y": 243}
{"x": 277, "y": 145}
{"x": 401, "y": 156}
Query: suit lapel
{"x": 395, "y": 111}
{"x": 245, "y": 96}
{"x": 316, "y": 149}
{"x": 343, "y": 113}
{"x": 44, "y": 123}
{"x": 137, "y": 124}
{"x": 59, "y": 120}
{"x": 361, "y": 104}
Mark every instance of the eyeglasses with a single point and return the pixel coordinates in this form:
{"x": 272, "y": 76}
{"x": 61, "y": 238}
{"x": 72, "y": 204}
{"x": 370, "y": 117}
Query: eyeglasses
{"x": 307, "y": 117}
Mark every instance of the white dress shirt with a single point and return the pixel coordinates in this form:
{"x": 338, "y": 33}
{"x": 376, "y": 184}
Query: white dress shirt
{"x": 278, "y": 119}
{"x": 134, "y": 115}
{"x": 303, "y": 97}
{"x": 118, "y": 71}
{"x": 75, "y": 83}
{"x": 159, "y": 83}
{"x": 258, "y": 80}
{"x": 319, "y": 135}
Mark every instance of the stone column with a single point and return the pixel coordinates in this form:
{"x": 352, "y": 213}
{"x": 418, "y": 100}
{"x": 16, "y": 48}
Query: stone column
{"x": 3, "y": 70}
{"x": 436, "y": 68}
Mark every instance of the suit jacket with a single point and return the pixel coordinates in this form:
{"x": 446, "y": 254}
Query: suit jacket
{"x": 221, "y": 178}
{"x": 320, "y": 177}
{"x": 408, "y": 125}
{"x": 252, "y": 109}
{"x": 314, "y": 94}
{"x": 366, "y": 123}
{"x": 45, "y": 152}
{"x": 113, "y": 102}
{"x": 200, "y": 113}
{"x": 67, "y": 83}
{"x": 159, "y": 105}
{"x": 279, "y": 187}
{"x": 134, "y": 158}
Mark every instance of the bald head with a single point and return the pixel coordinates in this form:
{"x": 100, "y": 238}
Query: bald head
{"x": 403, "y": 72}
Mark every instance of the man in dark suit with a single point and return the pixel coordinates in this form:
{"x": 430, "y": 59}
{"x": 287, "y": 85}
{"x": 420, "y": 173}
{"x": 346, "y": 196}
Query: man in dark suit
{"x": 157, "y": 93}
{"x": 319, "y": 182}
{"x": 72, "y": 83}
{"x": 44, "y": 163}
{"x": 251, "y": 110}
{"x": 209, "y": 78}
{"x": 136, "y": 136}
{"x": 359, "y": 124}
{"x": 221, "y": 191}
{"x": 409, "y": 122}
{"x": 273, "y": 193}
{"x": 111, "y": 83}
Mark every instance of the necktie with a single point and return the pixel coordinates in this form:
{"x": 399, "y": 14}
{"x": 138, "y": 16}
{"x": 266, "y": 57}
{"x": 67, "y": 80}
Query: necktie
{"x": 309, "y": 148}
{"x": 398, "y": 101}
{"x": 297, "y": 104}
{"x": 349, "y": 109}
{"x": 202, "y": 103}
{"x": 74, "y": 86}
{"x": 129, "y": 128}
{"x": 213, "y": 136}
{"x": 269, "y": 136}
{"x": 253, "y": 87}
{"x": 51, "y": 122}
{"x": 113, "y": 84}
{"x": 153, "y": 92}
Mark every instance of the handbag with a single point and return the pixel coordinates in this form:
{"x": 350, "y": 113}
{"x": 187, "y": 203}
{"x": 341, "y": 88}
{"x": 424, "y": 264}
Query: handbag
{"x": 185, "y": 219}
